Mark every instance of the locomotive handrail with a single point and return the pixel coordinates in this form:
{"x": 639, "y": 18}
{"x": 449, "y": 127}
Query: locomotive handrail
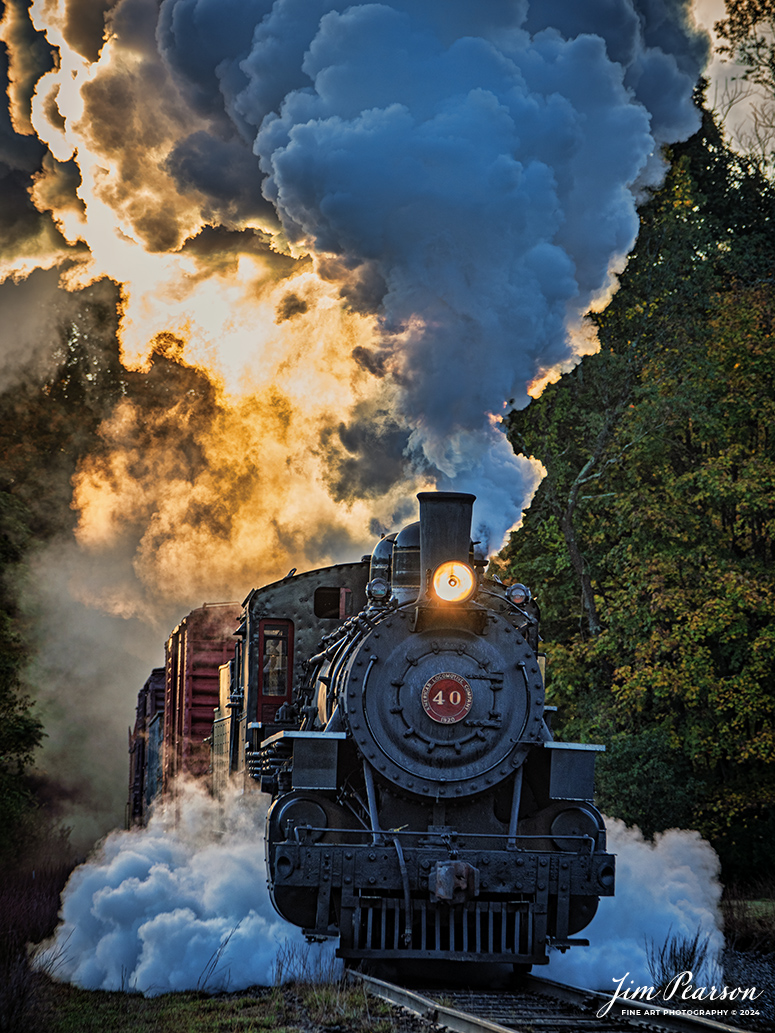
{"x": 371, "y": 799}
{"x": 386, "y": 835}
{"x": 407, "y": 894}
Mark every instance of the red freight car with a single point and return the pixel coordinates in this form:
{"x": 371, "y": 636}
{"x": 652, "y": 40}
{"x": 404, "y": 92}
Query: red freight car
{"x": 195, "y": 650}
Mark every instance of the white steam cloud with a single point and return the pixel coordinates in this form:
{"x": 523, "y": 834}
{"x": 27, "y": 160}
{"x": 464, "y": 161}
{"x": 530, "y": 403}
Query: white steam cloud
{"x": 666, "y": 888}
{"x": 179, "y": 905}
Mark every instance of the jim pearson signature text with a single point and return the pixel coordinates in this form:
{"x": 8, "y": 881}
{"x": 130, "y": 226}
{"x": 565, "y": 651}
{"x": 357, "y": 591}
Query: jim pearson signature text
{"x": 680, "y": 988}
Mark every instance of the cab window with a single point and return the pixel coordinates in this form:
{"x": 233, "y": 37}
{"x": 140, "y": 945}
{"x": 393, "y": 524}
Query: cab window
{"x": 333, "y": 603}
{"x": 275, "y": 645}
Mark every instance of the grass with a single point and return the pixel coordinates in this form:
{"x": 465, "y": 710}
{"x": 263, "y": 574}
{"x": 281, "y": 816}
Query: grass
{"x": 314, "y": 996}
{"x": 295, "y": 1008}
{"x": 70, "y": 1010}
{"x": 324, "y": 996}
{"x": 749, "y": 918}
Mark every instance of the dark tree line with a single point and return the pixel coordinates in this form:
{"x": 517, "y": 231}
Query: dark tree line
{"x": 48, "y": 420}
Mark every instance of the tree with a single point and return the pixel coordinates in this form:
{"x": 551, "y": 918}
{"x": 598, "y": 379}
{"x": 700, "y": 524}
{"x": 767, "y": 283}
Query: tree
{"x": 749, "y": 35}
{"x": 660, "y": 449}
{"x": 749, "y": 31}
{"x": 20, "y": 731}
{"x": 48, "y": 420}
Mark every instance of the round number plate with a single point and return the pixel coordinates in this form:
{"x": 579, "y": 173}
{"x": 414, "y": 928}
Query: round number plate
{"x": 446, "y": 698}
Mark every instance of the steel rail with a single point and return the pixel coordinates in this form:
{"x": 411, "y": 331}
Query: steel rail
{"x": 650, "y": 1016}
{"x": 427, "y": 1008}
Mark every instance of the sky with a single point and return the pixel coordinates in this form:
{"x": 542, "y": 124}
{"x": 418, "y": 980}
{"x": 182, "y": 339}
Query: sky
{"x": 728, "y": 95}
{"x": 374, "y": 228}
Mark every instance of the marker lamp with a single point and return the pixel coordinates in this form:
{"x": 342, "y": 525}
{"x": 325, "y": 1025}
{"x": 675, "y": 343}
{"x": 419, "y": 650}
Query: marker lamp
{"x": 453, "y": 582}
{"x": 378, "y": 590}
{"x": 519, "y": 594}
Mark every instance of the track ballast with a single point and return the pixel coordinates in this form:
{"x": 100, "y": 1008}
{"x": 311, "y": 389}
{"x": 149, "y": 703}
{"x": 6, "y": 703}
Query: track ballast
{"x": 536, "y": 1004}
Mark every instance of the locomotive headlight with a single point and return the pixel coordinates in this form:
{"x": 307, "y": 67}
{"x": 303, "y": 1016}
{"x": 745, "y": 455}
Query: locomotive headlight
{"x": 454, "y": 582}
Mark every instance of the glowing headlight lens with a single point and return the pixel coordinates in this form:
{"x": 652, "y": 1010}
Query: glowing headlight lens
{"x": 454, "y": 582}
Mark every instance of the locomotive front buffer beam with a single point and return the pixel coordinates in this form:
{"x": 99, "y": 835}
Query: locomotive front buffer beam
{"x": 398, "y": 899}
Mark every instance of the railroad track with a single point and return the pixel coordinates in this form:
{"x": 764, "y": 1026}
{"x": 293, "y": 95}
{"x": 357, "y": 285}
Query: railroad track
{"x": 537, "y": 1005}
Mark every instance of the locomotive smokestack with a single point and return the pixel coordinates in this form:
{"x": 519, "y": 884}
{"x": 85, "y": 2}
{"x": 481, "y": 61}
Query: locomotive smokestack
{"x": 445, "y": 530}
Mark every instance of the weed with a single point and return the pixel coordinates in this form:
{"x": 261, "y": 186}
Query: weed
{"x": 677, "y": 954}
{"x": 19, "y": 1011}
{"x": 305, "y": 963}
{"x": 210, "y": 969}
{"x": 340, "y": 1005}
{"x": 316, "y": 979}
{"x": 29, "y": 903}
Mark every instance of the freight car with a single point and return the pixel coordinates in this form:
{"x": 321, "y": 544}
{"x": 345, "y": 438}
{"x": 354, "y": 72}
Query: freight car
{"x": 393, "y": 710}
{"x": 175, "y": 708}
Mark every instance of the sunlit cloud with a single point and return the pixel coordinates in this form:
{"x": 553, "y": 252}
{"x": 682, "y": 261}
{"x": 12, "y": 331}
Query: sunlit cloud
{"x": 346, "y": 239}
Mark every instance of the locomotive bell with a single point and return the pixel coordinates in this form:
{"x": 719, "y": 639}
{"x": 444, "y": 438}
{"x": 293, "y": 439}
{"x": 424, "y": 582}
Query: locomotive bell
{"x": 445, "y": 538}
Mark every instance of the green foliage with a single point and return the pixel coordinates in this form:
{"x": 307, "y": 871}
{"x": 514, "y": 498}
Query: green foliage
{"x": 646, "y": 780}
{"x": 660, "y": 453}
{"x": 749, "y": 917}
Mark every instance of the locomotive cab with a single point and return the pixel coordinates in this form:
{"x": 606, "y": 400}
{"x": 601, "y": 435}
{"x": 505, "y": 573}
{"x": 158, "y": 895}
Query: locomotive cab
{"x": 281, "y": 627}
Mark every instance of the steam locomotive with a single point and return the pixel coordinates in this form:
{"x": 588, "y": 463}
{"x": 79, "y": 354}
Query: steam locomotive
{"x": 393, "y": 709}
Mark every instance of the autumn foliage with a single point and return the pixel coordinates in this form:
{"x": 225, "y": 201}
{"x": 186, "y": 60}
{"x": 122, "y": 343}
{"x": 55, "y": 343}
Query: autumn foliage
{"x": 652, "y": 540}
